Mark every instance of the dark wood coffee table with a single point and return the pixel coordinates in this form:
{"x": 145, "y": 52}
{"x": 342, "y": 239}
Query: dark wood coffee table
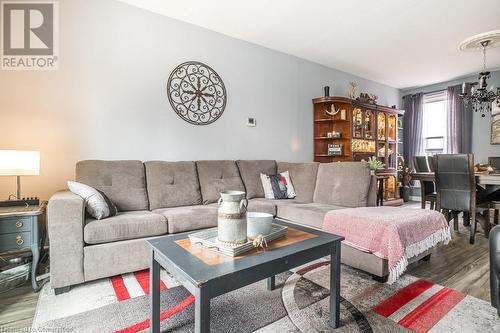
{"x": 207, "y": 274}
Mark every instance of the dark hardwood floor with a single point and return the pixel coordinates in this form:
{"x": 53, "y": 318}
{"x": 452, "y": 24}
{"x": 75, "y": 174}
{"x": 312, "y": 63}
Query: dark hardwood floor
{"x": 458, "y": 265}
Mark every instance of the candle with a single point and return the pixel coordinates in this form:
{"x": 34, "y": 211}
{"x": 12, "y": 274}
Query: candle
{"x": 463, "y": 88}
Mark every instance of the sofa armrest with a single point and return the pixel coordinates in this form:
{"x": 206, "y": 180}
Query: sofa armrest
{"x": 66, "y": 215}
{"x": 371, "y": 200}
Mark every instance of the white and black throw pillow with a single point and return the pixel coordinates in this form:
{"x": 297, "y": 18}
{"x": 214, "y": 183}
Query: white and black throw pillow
{"x": 98, "y": 205}
{"x": 278, "y": 186}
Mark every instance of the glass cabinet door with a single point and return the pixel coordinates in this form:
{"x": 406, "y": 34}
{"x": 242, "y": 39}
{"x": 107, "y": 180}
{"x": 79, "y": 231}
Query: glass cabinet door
{"x": 382, "y": 152}
{"x": 369, "y": 124}
{"x": 381, "y": 122}
{"x": 357, "y": 123}
{"x": 391, "y": 127}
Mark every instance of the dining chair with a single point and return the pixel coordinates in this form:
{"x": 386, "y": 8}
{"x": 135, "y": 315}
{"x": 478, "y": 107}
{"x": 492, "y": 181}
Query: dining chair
{"x": 494, "y": 161}
{"x": 427, "y": 189}
{"x": 456, "y": 190}
{"x": 430, "y": 163}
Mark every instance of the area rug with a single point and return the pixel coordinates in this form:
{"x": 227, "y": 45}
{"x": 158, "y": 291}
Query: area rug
{"x": 299, "y": 304}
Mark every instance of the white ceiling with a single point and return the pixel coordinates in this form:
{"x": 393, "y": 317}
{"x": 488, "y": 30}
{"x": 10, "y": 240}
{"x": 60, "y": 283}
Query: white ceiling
{"x": 402, "y": 43}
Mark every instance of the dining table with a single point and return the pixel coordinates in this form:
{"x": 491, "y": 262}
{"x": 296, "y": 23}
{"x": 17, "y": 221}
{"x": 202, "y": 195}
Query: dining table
{"x": 490, "y": 182}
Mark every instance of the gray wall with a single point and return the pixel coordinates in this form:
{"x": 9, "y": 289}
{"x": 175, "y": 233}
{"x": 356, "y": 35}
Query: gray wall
{"x": 108, "y": 100}
{"x": 481, "y": 127}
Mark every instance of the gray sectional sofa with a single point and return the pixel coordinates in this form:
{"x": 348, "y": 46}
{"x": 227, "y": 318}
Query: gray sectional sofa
{"x": 157, "y": 198}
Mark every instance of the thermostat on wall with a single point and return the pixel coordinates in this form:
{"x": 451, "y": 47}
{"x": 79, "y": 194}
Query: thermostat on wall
{"x": 251, "y": 122}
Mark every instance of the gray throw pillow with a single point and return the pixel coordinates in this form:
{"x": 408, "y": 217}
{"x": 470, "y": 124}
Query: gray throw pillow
{"x": 98, "y": 205}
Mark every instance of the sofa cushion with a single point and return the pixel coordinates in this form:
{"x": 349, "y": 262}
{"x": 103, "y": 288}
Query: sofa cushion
{"x": 110, "y": 259}
{"x": 172, "y": 184}
{"x": 261, "y": 205}
{"x": 216, "y": 177}
{"x": 125, "y": 225}
{"x": 189, "y": 217}
{"x": 124, "y": 182}
{"x": 250, "y": 171}
{"x": 310, "y": 214}
{"x": 303, "y": 176}
{"x": 343, "y": 184}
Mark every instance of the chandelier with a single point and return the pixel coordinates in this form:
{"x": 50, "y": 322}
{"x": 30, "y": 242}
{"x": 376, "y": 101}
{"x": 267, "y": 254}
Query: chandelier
{"x": 477, "y": 95}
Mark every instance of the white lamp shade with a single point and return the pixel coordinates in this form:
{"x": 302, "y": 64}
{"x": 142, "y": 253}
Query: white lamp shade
{"x": 19, "y": 163}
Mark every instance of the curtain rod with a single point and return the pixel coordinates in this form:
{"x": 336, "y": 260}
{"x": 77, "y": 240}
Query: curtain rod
{"x": 437, "y": 90}
{"x": 427, "y": 92}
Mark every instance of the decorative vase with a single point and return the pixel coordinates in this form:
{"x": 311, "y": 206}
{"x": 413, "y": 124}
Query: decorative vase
{"x": 405, "y": 193}
{"x": 372, "y": 172}
{"x": 232, "y": 217}
{"x": 327, "y": 91}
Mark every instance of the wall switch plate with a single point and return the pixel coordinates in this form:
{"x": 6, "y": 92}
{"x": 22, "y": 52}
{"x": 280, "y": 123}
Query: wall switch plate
{"x": 251, "y": 122}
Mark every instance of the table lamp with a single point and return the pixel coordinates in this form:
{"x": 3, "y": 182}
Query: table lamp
{"x": 19, "y": 163}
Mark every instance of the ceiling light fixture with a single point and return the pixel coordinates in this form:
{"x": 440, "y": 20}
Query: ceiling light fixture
{"x": 482, "y": 97}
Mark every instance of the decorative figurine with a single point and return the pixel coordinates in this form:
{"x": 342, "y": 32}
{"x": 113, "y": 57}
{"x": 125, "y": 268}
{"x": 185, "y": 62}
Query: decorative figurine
{"x": 353, "y": 90}
{"x": 372, "y": 98}
{"x": 333, "y": 112}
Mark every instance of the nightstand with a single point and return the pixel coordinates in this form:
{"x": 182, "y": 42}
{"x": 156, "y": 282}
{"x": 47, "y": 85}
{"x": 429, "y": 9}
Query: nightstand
{"x": 24, "y": 228}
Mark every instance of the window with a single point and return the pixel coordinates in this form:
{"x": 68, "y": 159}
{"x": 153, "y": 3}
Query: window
{"x": 434, "y": 125}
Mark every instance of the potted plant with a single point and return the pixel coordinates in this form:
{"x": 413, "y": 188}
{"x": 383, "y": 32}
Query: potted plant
{"x": 374, "y": 164}
{"x": 405, "y": 177}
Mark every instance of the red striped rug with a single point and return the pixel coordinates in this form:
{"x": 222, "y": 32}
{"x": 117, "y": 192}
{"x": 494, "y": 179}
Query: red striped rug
{"x": 299, "y": 304}
{"x": 420, "y": 305}
{"x": 131, "y": 285}
{"x": 126, "y": 286}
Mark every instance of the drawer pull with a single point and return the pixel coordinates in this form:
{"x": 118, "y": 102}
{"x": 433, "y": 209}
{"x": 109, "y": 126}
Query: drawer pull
{"x": 19, "y": 240}
{"x": 19, "y": 224}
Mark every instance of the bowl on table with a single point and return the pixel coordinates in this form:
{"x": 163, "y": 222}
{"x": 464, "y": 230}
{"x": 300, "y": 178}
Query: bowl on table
{"x": 258, "y": 224}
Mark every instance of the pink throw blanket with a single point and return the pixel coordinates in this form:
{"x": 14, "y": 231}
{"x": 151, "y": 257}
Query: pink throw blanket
{"x": 392, "y": 233}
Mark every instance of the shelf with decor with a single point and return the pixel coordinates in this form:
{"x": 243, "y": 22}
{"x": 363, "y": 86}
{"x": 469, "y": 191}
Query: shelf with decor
{"x": 331, "y": 120}
{"x": 365, "y": 130}
{"x": 326, "y": 155}
{"x": 332, "y": 129}
{"x": 327, "y": 138}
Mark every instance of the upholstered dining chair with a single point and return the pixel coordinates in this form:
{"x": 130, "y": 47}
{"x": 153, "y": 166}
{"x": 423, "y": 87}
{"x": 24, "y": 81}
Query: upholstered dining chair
{"x": 495, "y": 196}
{"x": 427, "y": 189}
{"x": 456, "y": 190}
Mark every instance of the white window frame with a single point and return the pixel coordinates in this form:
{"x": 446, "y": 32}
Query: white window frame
{"x": 436, "y": 96}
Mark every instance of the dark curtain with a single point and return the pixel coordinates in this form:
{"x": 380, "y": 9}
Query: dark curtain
{"x": 412, "y": 133}
{"x": 459, "y": 117}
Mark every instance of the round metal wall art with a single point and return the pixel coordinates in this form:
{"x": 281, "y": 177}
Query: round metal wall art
{"x": 196, "y": 93}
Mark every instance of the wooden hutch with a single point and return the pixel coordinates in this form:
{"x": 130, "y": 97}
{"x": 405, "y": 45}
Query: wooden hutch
{"x": 355, "y": 132}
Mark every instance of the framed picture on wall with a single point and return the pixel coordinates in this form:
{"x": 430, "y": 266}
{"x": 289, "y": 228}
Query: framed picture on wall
{"x": 495, "y": 125}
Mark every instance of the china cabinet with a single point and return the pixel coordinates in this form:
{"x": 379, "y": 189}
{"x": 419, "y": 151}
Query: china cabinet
{"x": 361, "y": 130}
